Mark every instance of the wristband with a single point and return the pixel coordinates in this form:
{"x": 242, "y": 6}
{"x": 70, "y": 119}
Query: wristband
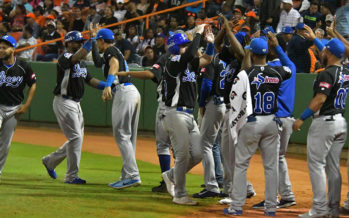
{"x": 101, "y": 85}
{"x": 110, "y": 80}
{"x": 87, "y": 46}
{"x": 306, "y": 114}
{"x": 318, "y": 44}
{"x": 210, "y": 49}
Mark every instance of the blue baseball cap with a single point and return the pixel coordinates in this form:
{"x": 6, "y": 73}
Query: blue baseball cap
{"x": 336, "y": 47}
{"x": 240, "y": 36}
{"x": 299, "y": 26}
{"x": 258, "y": 46}
{"x": 287, "y": 30}
{"x": 104, "y": 34}
{"x": 9, "y": 40}
{"x": 268, "y": 29}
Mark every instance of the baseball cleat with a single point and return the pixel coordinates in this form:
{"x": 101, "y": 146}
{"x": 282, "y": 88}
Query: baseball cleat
{"x": 260, "y": 205}
{"x": 205, "y": 194}
{"x": 161, "y": 188}
{"x": 343, "y": 211}
{"x": 225, "y": 201}
{"x": 228, "y": 211}
{"x": 169, "y": 184}
{"x": 184, "y": 201}
{"x": 77, "y": 181}
{"x": 311, "y": 214}
{"x": 223, "y": 195}
{"x": 125, "y": 183}
{"x": 269, "y": 213}
{"x": 284, "y": 204}
{"x": 251, "y": 194}
{"x": 50, "y": 172}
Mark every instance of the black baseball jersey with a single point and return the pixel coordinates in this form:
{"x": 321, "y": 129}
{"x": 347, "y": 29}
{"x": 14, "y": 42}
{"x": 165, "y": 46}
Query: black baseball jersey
{"x": 13, "y": 80}
{"x": 333, "y": 82}
{"x": 158, "y": 70}
{"x": 71, "y": 77}
{"x": 265, "y": 82}
{"x": 215, "y": 71}
{"x": 113, "y": 51}
{"x": 179, "y": 81}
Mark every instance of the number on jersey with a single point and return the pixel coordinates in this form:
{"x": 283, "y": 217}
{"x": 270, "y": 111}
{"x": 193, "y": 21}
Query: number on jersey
{"x": 264, "y": 103}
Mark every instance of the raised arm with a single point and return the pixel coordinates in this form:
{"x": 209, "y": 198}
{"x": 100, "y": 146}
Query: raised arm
{"x": 97, "y": 60}
{"x": 208, "y": 56}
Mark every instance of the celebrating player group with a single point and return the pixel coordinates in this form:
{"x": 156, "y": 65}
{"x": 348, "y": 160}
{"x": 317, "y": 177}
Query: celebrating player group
{"x": 245, "y": 90}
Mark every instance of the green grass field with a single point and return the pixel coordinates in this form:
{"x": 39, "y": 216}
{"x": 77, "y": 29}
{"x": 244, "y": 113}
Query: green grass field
{"x": 27, "y": 191}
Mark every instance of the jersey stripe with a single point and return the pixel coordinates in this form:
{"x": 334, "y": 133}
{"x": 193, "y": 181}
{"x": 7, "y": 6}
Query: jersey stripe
{"x": 65, "y": 82}
{"x": 176, "y": 95}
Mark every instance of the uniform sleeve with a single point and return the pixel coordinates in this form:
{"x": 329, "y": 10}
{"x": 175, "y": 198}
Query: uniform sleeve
{"x": 64, "y": 61}
{"x": 225, "y": 55}
{"x": 195, "y": 63}
{"x": 285, "y": 72}
{"x": 30, "y": 77}
{"x": 156, "y": 69}
{"x": 324, "y": 83}
{"x": 88, "y": 77}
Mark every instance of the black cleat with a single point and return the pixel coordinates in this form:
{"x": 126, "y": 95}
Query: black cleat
{"x": 284, "y": 204}
{"x": 205, "y": 194}
{"x": 161, "y": 188}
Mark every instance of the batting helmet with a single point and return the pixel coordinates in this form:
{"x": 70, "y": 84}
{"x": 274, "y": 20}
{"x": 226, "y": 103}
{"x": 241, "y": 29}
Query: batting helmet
{"x": 175, "y": 41}
{"x": 73, "y": 36}
{"x": 9, "y": 40}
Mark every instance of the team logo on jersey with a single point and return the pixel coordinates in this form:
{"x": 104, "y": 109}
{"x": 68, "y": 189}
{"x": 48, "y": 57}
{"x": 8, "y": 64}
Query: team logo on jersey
{"x": 79, "y": 72}
{"x": 343, "y": 78}
{"x": 260, "y": 79}
{"x": 324, "y": 85}
{"x": 156, "y": 66}
{"x": 10, "y": 81}
{"x": 189, "y": 76}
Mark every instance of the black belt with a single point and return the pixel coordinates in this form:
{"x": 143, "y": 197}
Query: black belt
{"x": 71, "y": 98}
{"x": 330, "y": 117}
{"x": 186, "y": 110}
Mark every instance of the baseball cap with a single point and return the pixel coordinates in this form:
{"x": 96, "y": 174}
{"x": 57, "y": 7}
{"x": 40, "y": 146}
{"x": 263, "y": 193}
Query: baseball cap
{"x": 10, "y": 40}
{"x": 237, "y": 10}
{"x": 300, "y": 26}
{"x": 287, "y": 1}
{"x": 268, "y": 29}
{"x": 287, "y": 30}
{"x": 104, "y": 34}
{"x": 336, "y": 47}
{"x": 251, "y": 14}
{"x": 258, "y": 46}
{"x": 30, "y": 15}
{"x": 329, "y": 17}
{"x": 120, "y": 1}
{"x": 52, "y": 23}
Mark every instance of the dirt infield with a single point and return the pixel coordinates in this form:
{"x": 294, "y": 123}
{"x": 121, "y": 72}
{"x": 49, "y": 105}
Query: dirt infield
{"x": 103, "y": 143}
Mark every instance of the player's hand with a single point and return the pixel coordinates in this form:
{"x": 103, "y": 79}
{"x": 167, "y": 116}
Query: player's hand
{"x": 297, "y": 125}
{"x": 225, "y": 21}
{"x": 209, "y": 37}
{"x": 273, "y": 41}
{"x": 200, "y": 28}
{"x": 107, "y": 95}
{"x": 256, "y": 34}
{"x": 311, "y": 35}
{"x": 22, "y": 109}
{"x": 202, "y": 111}
{"x": 331, "y": 29}
{"x": 94, "y": 30}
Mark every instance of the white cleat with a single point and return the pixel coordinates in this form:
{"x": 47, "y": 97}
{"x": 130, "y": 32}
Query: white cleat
{"x": 169, "y": 184}
{"x": 225, "y": 201}
{"x": 185, "y": 201}
{"x": 311, "y": 213}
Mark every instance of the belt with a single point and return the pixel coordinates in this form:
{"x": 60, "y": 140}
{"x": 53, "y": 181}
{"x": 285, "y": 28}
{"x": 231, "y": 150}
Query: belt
{"x": 228, "y": 107}
{"x": 124, "y": 84}
{"x": 71, "y": 98}
{"x": 186, "y": 110}
{"x": 218, "y": 100}
{"x": 328, "y": 117}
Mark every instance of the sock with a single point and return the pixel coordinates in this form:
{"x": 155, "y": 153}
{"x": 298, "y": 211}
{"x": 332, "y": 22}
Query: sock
{"x": 165, "y": 162}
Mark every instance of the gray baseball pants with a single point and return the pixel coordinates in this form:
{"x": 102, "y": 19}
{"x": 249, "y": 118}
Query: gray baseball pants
{"x": 71, "y": 121}
{"x": 228, "y": 155}
{"x": 285, "y": 187}
{"x": 185, "y": 141}
{"x": 8, "y": 123}
{"x": 125, "y": 116}
{"x": 163, "y": 142}
{"x": 210, "y": 126}
{"x": 262, "y": 133}
{"x": 325, "y": 141}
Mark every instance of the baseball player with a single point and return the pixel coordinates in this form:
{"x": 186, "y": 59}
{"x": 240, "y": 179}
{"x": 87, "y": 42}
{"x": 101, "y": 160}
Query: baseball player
{"x": 126, "y": 105}
{"x": 14, "y": 76}
{"x": 163, "y": 143}
{"x": 328, "y": 131}
{"x": 69, "y": 90}
{"x": 261, "y": 129}
{"x": 285, "y": 108}
{"x": 232, "y": 55}
{"x": 180, "y": 94}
